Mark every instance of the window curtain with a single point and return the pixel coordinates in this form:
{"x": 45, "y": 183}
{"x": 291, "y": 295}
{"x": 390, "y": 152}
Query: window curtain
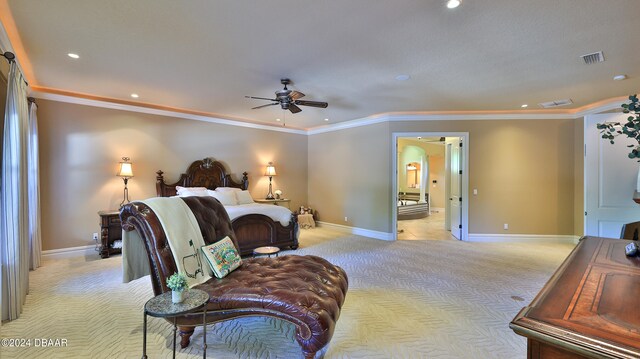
{"x": 14, "y": 198}
{"x": 33, "y": 182}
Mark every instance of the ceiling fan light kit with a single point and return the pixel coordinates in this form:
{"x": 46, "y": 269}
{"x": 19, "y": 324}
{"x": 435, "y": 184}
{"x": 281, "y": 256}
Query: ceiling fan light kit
{"x": 289, "y": 99}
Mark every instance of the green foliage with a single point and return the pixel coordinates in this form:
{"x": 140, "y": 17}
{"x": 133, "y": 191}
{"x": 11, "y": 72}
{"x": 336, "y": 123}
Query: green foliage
{"x": 630, "y": 129}
{"x": 177, "y": 282}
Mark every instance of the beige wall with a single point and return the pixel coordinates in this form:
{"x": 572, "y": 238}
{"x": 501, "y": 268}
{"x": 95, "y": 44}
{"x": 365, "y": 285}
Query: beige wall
{"x": 349, "y": 176}
{"x": 80, "y": 147}
{"x": 436, "y": 190}
{"x": 528, "y": 172}
{"x": 523, "y": 170}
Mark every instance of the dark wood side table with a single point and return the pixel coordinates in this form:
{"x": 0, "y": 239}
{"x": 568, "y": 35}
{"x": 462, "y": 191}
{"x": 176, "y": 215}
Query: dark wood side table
{"x": 110, "y": 231}
{"x": 589, "y": 308}
{"x": 161, "y": 306}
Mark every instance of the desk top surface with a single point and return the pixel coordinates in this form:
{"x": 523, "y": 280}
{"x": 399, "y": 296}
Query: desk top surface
{"x": 590, "y": 305}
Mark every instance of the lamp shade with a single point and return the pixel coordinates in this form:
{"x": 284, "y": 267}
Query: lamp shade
{"x": 125, "y": 170}
{"x": 271, "y": 170}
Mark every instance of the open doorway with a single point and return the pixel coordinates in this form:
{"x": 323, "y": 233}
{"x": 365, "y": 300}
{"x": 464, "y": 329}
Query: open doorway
{"x": 430, "y": 185}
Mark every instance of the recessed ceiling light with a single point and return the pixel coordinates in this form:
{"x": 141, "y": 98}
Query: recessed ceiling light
{"x": 403, "y": 77}
{"x": 134, "y": 95}
{"x": 73, "y": 56}
{"x": 452, "y": 4}
{"x": 277, "y": 119}
{"x": 620, "y": 77}
{"x": 326, "y": 119}
{"x": 524, "y": 106}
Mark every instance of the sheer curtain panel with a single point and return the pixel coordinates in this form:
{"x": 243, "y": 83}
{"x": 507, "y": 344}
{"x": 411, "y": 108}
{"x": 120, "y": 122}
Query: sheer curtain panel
{"x": 14, "y": 198}
{"x": 33, "y": 181}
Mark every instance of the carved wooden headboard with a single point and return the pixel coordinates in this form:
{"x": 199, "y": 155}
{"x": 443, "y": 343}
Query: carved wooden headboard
{"x": 203, "y": 173}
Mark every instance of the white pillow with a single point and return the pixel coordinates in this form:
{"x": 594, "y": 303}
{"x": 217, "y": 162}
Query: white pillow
{"x": 186, "y": 193}
{"x": 227, "y": 198}
{"x": 228, "y": 189}
{"x": 244, "y": 197}
{"x": 191, "y": 191}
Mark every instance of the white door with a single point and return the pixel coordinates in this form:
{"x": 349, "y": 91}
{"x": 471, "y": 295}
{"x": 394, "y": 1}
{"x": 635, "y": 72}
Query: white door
{"x": 610, "y": 180}
{"x": 455, "y": 197}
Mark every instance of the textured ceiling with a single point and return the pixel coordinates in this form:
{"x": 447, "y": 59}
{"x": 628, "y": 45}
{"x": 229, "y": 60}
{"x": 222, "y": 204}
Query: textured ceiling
{"x": 205, "y": 55}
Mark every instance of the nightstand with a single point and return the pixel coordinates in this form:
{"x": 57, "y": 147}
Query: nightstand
{"x": 110, "y": 232}
{"x": 274, "y": 201}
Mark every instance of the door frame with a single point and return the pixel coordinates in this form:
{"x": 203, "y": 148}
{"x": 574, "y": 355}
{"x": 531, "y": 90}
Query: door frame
{"x": 465, "y": 177}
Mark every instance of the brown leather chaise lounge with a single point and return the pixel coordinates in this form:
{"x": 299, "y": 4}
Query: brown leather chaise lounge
{"x": 307, "y": 291}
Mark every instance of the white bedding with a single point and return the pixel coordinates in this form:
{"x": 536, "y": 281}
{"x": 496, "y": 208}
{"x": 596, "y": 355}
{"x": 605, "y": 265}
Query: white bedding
{"x": 276, "y": 213}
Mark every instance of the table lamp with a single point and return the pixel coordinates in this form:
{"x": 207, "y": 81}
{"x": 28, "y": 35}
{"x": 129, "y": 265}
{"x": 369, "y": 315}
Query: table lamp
{"x": 271, "y": 171}
{"x": 125, "y": 171}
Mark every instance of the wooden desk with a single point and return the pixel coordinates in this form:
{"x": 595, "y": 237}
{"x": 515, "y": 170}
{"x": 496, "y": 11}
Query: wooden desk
{"x": 589, "y": 308}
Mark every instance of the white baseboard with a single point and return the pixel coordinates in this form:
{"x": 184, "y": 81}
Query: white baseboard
{"x": 70, "y": 252}
{"x": 481, "y": 237}
{"x": 358, "y": 231}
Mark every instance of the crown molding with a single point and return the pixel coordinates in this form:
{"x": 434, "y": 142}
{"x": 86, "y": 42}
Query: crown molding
{"x": 598, "y": 107}
{"x": 5, "y": 43}
{"x": 87, "y": 100}
{"x": 8, "y": 32}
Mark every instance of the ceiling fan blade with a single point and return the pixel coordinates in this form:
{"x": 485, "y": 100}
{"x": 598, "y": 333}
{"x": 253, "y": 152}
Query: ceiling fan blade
{"x": 293, "y": 108}
{"x": 270, "y": 104}
{"x": 261, "y": 98}
{"x": 312, "y": 103}
{"x": 296, "y": 95}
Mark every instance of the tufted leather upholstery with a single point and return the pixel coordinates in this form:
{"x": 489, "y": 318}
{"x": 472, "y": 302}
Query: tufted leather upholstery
{"x": 307, "y": 291}
{"x": 212, "y": 217}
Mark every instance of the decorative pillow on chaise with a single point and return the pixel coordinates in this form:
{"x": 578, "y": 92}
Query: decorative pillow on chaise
{"x": 223, "y": 257}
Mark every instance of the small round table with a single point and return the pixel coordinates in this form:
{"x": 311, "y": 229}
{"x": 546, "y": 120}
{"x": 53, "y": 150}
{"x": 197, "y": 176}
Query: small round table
{"x": 266, "y": 251}
{"x": 161, "y": 306}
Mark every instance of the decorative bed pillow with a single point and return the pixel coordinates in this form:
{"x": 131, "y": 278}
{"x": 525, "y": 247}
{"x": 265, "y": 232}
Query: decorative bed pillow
{"x": 227, "y": 198}
{"x": 191, "y": 191}
{"x": 244, "y": 197}
{"x": 223, "y": 257}
{"x": 228, "y": 189}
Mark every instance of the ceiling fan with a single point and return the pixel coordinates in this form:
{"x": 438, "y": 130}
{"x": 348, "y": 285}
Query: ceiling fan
{"x": 289, "y": 99}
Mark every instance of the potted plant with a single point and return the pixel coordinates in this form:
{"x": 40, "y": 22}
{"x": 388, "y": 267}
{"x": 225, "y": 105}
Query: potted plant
{"x": 630, "y": 129}
{"x": 278, "y": 193}
{"x": 178, "y": 285}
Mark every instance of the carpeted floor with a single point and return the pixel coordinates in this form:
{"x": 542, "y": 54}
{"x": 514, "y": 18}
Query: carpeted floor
{"x": 406, "y": 299}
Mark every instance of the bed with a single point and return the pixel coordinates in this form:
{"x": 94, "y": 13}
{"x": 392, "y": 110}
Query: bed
{"x": 255, "y": 225}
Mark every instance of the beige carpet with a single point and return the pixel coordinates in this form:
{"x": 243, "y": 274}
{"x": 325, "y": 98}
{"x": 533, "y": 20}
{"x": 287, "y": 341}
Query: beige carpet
{"x": 407, "y": 299}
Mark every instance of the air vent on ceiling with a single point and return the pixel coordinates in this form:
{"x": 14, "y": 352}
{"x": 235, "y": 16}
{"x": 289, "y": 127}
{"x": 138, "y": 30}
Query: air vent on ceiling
{"x": 593, "y": 58}
{"x": 556, "y": 103}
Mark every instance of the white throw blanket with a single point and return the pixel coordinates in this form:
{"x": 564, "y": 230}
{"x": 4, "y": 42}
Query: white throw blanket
{"x": 184, "y": 237}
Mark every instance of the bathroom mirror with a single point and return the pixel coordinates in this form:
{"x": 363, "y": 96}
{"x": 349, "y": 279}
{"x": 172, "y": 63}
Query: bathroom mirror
{"x": 413, "y": 175}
